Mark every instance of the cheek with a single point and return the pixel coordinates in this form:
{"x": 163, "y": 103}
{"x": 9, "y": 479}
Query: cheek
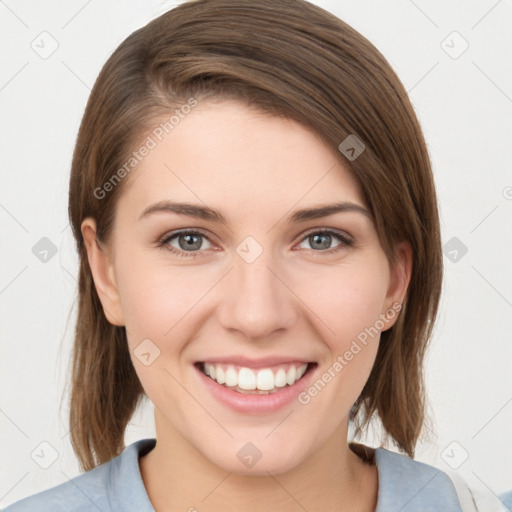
{"x": 163, "y": 308}
{"x": 347, "y": 304}
{"x": 347, "y": 300}
{"x": 156, "y": 299}
{"x": 158, "y": 303}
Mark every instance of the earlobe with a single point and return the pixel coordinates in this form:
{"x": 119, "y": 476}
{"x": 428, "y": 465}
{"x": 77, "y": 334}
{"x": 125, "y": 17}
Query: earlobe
{"x": 400, "y": 277}
{"x": 103, "y": 274}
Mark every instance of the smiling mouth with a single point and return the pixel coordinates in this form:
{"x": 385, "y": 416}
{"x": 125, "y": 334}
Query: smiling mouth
{"x": 262, "y": 381}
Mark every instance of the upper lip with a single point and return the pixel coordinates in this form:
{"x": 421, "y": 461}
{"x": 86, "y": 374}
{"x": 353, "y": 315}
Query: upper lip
{"x": 257, "y": 362}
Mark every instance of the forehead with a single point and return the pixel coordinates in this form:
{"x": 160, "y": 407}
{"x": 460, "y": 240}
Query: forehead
{"x": 230, "y": 157}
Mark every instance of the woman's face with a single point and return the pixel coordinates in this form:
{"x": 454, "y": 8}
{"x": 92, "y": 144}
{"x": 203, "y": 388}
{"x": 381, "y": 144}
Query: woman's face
{"x": 256, "y": 296}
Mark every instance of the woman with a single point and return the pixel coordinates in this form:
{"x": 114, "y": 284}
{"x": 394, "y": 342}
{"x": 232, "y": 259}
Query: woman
{"x": 260, "y": 256}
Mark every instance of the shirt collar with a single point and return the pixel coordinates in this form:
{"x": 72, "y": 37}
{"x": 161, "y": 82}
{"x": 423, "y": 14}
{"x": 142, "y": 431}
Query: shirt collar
{"x": 404, "y": 484}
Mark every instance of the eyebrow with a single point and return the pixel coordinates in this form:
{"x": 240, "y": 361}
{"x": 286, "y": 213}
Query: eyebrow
{"x": 206, "y": 213}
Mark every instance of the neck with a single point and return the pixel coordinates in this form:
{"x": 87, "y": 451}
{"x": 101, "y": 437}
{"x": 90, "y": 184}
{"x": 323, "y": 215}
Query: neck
{"x": 178, "y": 477}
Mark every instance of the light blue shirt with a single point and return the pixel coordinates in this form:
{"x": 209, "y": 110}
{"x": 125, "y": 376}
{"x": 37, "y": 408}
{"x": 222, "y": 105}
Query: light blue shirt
{"x": 405, "y": 485}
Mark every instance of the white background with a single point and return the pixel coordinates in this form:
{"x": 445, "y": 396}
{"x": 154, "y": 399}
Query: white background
{"x": 465, "y": 107}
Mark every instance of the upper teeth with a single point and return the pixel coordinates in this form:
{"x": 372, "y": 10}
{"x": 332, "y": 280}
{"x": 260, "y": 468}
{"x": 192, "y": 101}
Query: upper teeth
{"x": 263, "y": 379}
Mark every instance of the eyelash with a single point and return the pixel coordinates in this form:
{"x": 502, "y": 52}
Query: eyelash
{"x": 163, "y": 242}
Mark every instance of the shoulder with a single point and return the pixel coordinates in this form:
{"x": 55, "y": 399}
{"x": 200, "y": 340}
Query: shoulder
{"x": 409, "y": 485}
{"x": 106, "y": 487}
{"x": 506, "y": 498}
{"x": 412, "y": 486}
{"x": 75, "y": 495}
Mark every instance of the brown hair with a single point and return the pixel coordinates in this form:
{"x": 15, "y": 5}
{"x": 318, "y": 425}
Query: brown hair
{"x": 284, "y": 57}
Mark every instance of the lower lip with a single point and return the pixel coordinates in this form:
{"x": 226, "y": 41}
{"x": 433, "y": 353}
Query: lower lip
{"x": 256, "y": 403}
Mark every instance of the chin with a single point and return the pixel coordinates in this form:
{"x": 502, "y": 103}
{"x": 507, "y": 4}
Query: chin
{"x": 259, "y": 458}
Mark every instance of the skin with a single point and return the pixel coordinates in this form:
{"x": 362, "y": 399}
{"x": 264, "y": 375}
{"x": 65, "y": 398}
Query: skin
{"x": 294, "y": 299}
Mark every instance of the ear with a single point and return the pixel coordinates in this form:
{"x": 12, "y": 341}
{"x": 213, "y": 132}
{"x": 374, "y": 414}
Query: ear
{"x": 103, "y": 273}
{"x": 400, "y": 276}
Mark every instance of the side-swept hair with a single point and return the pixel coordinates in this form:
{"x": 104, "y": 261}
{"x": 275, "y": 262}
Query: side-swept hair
{"x": 283, "y": 57}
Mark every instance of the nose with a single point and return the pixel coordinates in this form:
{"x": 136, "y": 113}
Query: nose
{"x": 257, "y": 301}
